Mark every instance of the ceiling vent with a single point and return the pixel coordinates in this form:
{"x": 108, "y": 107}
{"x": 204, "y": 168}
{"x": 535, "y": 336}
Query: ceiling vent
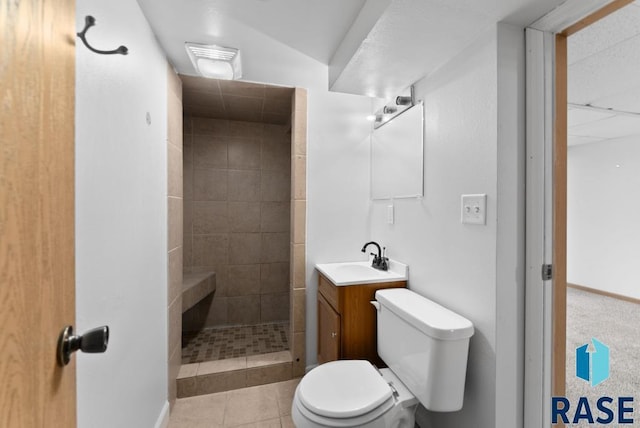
{"x": 215, "y": 62}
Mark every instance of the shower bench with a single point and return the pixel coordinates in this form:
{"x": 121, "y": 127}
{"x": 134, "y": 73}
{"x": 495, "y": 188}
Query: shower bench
{"x": 195, "y": 287}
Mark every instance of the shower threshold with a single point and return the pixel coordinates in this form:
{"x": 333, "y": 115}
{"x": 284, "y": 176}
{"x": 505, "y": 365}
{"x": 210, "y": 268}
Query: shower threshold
{"x": 222, "y": 359}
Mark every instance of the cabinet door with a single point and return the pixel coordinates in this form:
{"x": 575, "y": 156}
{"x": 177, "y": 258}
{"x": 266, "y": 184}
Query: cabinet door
{"x": 328, "y": 332}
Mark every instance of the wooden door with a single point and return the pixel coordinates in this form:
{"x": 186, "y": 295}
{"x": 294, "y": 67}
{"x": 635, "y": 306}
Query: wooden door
{"x": 37, "y": 289}
{"x": 328, "y": 332}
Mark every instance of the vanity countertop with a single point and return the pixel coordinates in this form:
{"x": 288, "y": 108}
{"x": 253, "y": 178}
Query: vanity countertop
{"x": 361, "y": 272}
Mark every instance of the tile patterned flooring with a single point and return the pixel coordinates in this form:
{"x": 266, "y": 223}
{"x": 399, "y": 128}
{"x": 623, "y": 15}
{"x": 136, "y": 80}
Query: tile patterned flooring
{"x": 259, "y": 406}
{"x": 231, "y": 342}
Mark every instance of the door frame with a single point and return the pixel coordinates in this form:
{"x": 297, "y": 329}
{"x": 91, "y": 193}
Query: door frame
{"x": 546, "y": 135}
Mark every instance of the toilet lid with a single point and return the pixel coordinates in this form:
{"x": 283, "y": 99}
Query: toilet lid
{"x": 343, "y": 389}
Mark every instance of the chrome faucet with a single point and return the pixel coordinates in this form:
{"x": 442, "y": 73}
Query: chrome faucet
{"x": 379, "y": 262}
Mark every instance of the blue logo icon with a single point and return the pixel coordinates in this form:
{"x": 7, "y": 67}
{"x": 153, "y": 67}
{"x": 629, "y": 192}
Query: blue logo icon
{"x": 592, "y": 364}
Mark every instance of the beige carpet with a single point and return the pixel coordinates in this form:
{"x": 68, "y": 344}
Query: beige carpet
{"x": 614, "y": 322}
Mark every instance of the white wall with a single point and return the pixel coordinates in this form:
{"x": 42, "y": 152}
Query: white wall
{"x": 472, "y": 145}
{"x": 603, "y": 234}
{"x": 121, "y": 218}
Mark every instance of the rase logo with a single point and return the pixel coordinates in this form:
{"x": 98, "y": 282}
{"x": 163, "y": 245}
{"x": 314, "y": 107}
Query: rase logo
{"x": 592, "y": 365}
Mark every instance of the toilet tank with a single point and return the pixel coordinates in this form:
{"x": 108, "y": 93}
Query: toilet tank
{"x": 425, "y": 345}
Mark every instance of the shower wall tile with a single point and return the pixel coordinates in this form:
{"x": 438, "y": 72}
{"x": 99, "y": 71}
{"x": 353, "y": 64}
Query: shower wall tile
{"x": 244, "y": 248}
{"x": 299, "y": 182}
{"x": 174, "y": 274}
{"x": 275, "y": 247}
{"x": 243, "y": 310}
{"x": 244, "y": 280}
{"x": 276, "y": 154}
{"x": 276, "y": 185}
{"x": 275, "y": 217}
{"x": 210, "y": 184}
{"x": 246, "y": 130}
{"x": 174, "y": 171}
{"x": 187, "y": 181}
{"x": 244, "y": 216}
{"x": 274, "y": 278}
{"x": 218, "y": 313}
{"x": 280, "y": 132}
{"x": 207, "y": 126}
{"x": 274, "y": 307}
{"x": 175, "y": 222}
{"x": 187, "y": 126}
{"x": 298, "y": 310}
{"x": 174, "y": 324}
{"x": 210, "y": 152}
{"x": 210, "y": 217}
{"x": 299, "y": 222}
{"x": 298, "y": 265}
{"x": 299, "y": 124}
{"x": 244, "y": 185}
{"x": 211, "y": 250}
{"x": 175, "y": 190}
{"x": 239, "y": 177}
{"x": 276, "y": 105}
{"x": 187, "y": 148}
{"x": 222, "y": 278}
{"x": 175, "y": 362}
{"x": 243, "y": 108}
{"x": 244, "y": 89}
{"x": 187, "y": 217}
{"x": 298, "y": 354}
{"x": 244, "y": 153}
{"x": 187, "y": 251}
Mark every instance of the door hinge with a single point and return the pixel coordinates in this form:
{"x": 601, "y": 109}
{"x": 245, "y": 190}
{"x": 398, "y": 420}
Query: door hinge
{"x": 547, "y": 272}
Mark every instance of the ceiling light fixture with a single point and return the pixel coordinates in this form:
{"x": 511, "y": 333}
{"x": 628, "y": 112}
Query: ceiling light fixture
{"x": 215, "y": 62}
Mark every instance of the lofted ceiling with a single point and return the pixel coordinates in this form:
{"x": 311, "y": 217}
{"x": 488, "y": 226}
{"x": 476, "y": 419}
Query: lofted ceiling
{"x": 372, "y": 47}
{"x": 603, "y": 78}
{"x": 380, "y": 47}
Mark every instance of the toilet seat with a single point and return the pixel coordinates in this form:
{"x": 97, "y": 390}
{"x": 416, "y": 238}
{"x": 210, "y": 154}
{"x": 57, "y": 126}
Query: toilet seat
{"x": 352, "y": 393}
{"x": 344, "y": 389}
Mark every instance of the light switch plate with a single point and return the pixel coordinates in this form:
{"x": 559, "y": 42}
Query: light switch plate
{"x": 390, "y": 215}
{"x": 474, "y": 209}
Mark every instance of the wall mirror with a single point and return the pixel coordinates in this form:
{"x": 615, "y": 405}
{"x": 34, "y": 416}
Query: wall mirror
{"x": 397, "y": 155}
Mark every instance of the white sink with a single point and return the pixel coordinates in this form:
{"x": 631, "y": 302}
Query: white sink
{"x": 350, "y": 273}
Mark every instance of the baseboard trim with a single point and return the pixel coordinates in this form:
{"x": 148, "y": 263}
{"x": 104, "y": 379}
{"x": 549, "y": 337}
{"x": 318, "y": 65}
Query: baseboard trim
{"x": 163, "y": 418}
{"x": 605, "y": 293}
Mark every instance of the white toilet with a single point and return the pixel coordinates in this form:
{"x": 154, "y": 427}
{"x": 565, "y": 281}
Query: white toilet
{"x": 425, "y": 346}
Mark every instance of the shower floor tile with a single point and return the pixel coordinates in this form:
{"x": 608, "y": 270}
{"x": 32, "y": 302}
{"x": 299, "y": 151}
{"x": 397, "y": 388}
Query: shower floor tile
{"x": 230, "y": 342}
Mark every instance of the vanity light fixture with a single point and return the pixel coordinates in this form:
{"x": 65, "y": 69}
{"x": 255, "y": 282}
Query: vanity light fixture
{"x": 399, "y": 105}
{"x": 216, "y": 62}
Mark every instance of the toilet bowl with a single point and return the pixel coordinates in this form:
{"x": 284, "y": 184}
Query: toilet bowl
{"x": 352, "y": 393}
{"x": 425, "y": 346}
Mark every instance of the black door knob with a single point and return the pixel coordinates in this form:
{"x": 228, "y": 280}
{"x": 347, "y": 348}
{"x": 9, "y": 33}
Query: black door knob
{"x": 93, "y": 341}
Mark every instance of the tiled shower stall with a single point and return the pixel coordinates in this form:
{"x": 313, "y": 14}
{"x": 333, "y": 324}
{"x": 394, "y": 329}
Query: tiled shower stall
{"x": 243, "y": 200}
{"x": 237, "y": 193}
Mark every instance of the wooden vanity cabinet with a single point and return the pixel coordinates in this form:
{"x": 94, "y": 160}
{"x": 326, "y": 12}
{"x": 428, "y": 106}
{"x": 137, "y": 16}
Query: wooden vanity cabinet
{"x": 347, "y": 321}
